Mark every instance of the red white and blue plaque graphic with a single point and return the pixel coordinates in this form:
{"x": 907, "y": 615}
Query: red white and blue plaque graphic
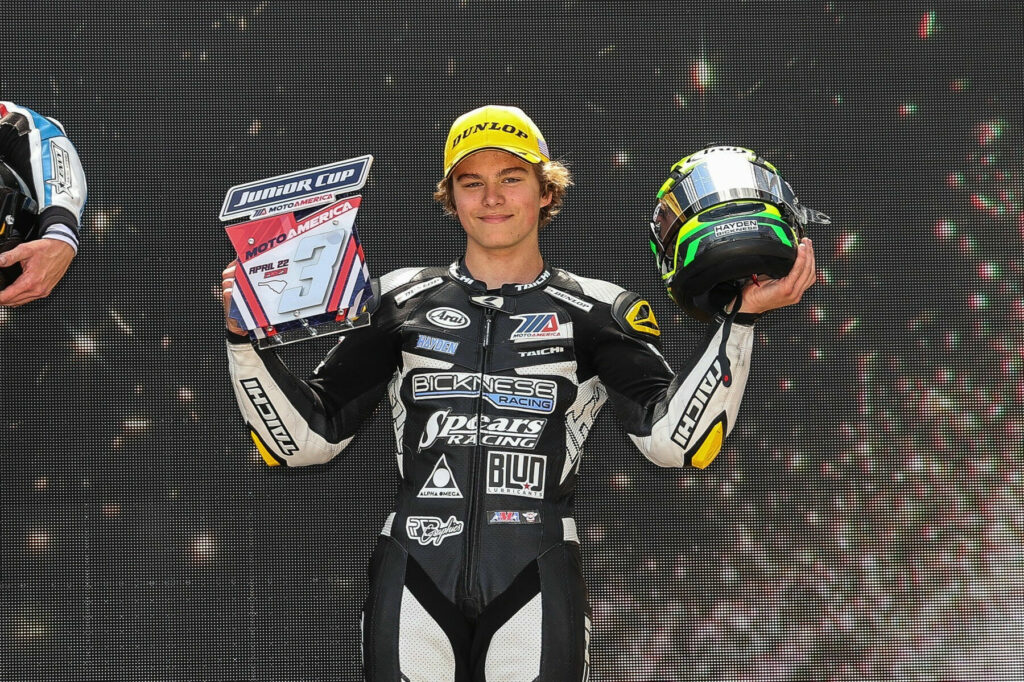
{"x": 298, "y": 271}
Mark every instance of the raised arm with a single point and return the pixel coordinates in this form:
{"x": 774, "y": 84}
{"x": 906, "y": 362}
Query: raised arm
{"x": 296, "y": 422}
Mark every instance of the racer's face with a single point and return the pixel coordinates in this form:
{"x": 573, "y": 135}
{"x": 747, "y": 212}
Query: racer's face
{"x": 498, "y": 199}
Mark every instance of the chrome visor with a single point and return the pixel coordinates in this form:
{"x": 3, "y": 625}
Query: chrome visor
{"x": 725, "y": 177}
{"x": 728, "y": 177}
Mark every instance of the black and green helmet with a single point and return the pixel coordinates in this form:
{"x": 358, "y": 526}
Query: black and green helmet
{"x": 723, "y": 216}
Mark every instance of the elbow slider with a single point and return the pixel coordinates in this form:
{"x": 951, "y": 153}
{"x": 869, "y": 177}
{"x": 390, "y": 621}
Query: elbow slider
{"x": 710, "y": 446}
{"x": 269, "y": 457}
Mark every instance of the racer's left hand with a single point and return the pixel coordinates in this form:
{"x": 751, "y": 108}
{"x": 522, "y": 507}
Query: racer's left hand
{"x": 777, "y": 293}
{"x": 43, "y": 263}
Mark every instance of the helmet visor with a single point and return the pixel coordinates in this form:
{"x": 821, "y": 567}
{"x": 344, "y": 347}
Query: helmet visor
{"x": 726, "y": 177}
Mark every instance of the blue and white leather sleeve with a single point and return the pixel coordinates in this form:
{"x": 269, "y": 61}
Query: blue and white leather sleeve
{"x": 47, "y": 161}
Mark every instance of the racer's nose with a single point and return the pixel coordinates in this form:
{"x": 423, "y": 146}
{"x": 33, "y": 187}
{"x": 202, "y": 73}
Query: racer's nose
{"x": 493, "y": 195}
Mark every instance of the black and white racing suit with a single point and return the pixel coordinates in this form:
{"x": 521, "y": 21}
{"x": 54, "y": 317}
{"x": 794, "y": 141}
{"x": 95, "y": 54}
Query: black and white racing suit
{"x": 477, "y": 574}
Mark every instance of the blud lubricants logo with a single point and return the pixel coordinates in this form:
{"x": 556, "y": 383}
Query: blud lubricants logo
{"x": 516, "y": 473}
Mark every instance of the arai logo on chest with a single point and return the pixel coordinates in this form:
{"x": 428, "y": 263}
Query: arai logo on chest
{"x": 448, "y": 318}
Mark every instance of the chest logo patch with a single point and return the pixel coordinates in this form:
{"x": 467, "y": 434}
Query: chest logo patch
{"x": 466, "y": 430}
{"x": 512, "y": 516}
{"x": 441, "y": 482}
{"x": 538, "y": 327}
{"x": 448, "y": 318}
{"x": 523, "y": 394}
{"x": 488, "y": 301}
{"x": 438, "y": 345}
{"x": 516, "y": 473}
{"x": 431, "y": 530}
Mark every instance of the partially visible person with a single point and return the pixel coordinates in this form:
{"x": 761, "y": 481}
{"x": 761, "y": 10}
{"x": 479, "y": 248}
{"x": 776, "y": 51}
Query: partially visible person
{"x": 42, "y": 197}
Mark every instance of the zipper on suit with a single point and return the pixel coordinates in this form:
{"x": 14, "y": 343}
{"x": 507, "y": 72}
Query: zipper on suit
{"x": 476, "y": 465}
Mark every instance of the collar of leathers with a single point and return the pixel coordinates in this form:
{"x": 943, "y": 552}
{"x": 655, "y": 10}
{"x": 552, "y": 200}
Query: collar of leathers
{"x": 458, "y": 272}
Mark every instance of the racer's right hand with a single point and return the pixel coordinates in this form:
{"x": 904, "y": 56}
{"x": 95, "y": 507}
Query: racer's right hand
{"x": 43, "y": 263}
{"x": 769, "y": 294}
{"x": 227, "y": 284}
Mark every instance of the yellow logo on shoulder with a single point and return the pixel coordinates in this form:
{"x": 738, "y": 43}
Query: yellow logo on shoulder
{"x": 641, "y": 318}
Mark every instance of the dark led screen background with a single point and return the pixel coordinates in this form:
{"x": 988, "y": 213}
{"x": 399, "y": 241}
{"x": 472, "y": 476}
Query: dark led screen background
{"x": 865, "y": 519}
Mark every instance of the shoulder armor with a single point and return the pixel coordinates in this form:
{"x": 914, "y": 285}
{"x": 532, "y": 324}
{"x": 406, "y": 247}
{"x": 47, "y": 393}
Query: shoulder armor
{"x": 407, "y": 283}
{"x": 397, "y": 278}
{"x": 635, "y": 316}
{"x": 599, "y": 290}
{"x": 374, "y": 295}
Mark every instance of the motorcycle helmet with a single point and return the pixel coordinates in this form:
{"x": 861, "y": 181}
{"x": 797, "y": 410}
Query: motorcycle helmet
{"x": 724, "y": 216}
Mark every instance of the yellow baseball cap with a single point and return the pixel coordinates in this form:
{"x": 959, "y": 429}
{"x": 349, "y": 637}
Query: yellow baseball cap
{"x": 494, "y": 127}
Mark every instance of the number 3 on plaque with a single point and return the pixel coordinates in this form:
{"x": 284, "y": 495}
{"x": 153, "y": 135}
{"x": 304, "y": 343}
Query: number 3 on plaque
{"x": 323, "y": 250}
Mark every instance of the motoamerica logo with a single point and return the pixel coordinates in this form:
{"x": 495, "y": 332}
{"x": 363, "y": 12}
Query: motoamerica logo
{"x": 537, "y": 326}
{"x": 471, "y": 430}
{"x": 306, "y": 225}
{"x": 330, "y": 179}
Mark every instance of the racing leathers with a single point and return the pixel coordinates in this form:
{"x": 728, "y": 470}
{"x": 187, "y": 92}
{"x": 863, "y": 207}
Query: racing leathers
{"x": 477, "y": 572}
{"x": 36, "y": 148}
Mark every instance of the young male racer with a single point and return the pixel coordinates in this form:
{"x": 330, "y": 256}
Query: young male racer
{"x": 495, "y": 368}
{"x": 41, "y": 163}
